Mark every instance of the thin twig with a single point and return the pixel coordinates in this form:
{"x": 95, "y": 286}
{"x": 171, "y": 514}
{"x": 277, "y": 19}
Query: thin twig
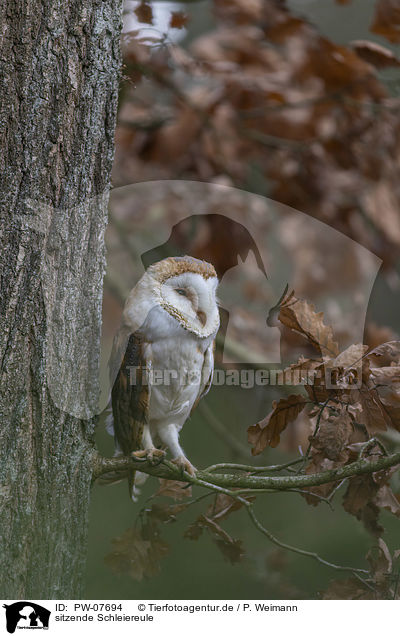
{"x": 370, "y": 444}
{"x": 210, "y": 481}
{"x": 249, "y": 491}
{"x": 252, "y": 469}
{"x": 334, "y": 491}
{"x": 291, "y": 548}
{"x": 249, "y": 506}
{"x": 360, "y": 578}
{"x": 323, "y": 407}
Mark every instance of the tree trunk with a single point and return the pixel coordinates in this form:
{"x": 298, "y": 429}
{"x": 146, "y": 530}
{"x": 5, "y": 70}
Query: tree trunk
{"x": 60, "y": 69}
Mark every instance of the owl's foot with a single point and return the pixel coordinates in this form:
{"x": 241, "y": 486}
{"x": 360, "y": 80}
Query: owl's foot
{"x": 153, "y": 455}
{"x": 184, "y": 464}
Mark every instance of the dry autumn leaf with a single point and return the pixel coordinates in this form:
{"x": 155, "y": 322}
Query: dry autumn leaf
{"x": 385, "y": 354}
{"x": 348, "y": 589}
{"x": 301, "y": 372}
{"x": 267, "y": 432}
{"x": 392, "y": 411}
{"x": 373, "y": 414}
{"x": 367, "y": 494}
{"x": 165, "y": 514}
{"x": 375, "y": 54}
{"x": 350, "y": 357}
{"x": 333, "y": 436}
{"x": 232, "y": 549}
{"x": 386, "y": 20}
{"x": 175, "y": 489}
{"x": 317, "y": 390}
{"x": 223, "y": 506}
{"x": 381, "y": 205}
{"x": 386, "y": 499}
{"x": 194, "y": 531}
{"x": 318, "y": 464}
{"x": 381, "y": 563}
{"x": 386, "y": 375}
{"x": 387, "y": 383}
{"x": 301, "y": 316}
{"x": 136, "y": 555}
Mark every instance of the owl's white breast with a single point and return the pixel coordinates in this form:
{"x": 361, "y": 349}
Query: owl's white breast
{"x": 177, "y": 356}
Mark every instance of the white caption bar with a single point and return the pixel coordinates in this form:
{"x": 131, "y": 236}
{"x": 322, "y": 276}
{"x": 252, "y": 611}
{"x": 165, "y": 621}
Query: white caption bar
{"x": 154, "y": 617}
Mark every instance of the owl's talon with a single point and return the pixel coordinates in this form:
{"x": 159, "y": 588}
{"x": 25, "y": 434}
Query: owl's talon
{"x": 139, "y": 454}
{"x": 153, "y": 455}
{"x": 184, "y": 465}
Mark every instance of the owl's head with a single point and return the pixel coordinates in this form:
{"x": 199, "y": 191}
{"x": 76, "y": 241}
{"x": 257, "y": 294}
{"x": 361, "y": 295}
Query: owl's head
{"x": 186, "y": 289}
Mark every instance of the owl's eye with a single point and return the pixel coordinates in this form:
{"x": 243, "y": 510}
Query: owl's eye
{"x": 181, "y": 292}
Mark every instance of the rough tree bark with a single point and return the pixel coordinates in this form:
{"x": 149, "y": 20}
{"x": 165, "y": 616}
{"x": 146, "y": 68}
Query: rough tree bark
{"x": 60, "y": 69}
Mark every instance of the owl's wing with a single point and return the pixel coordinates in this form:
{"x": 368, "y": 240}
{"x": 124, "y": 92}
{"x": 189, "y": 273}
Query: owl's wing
{"x": 130, "y": 394}
{"x": 207, "y": 373}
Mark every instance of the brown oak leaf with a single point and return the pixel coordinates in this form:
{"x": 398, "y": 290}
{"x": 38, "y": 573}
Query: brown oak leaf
{"x": 232, "y": 549}
{"x": 301, "y": 316}
{"x": 386, "y": 20}
{"x": 165, "y": 513}
{"x": 373, "y": 414}
{"x": 223, "y": 506}
{"x": 375, "y": 54}
{"x": 381, "y": 563}
{"x": 175, "y": 489}
{"x": 367, "y": 494}
{"x": 347, "y": 589}
{"x": 136, "y": 554}
{"x": 333, "y": 436}
{"x": 318, "y": 464}
{"x": 268, "y": 431}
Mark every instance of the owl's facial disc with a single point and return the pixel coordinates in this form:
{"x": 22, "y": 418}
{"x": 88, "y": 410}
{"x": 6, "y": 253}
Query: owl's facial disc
{"x": 191, "y": 300}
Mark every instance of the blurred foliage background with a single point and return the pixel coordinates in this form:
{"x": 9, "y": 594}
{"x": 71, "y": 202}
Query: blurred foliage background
{"x": 297, "y": 101}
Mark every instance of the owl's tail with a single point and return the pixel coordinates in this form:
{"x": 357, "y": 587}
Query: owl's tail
{"x": 134, "y": 477}
{"x": 135, "y": 480}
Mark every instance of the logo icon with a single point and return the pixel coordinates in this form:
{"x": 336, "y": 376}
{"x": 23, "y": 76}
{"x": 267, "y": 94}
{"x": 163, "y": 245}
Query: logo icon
{"x": 26, "y": 615}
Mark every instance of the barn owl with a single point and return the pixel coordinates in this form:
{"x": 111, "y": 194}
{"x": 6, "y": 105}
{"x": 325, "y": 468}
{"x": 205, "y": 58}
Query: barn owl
{"x": 163, "y": 359}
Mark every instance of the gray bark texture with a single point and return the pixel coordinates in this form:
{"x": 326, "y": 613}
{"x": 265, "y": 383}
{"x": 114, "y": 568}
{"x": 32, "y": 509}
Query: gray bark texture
{"x": 60, "y": 67}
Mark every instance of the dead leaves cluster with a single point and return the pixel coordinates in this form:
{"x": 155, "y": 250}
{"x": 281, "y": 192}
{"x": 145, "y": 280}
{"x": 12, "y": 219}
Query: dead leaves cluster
{"x": 382, "y": 584}
{"x": 223, "y": 505}
{"x": 139, "y": 550}
{"x": 264, "y": 93}
{"x": 346, "y": 392}
{"x": 348, "y": 398}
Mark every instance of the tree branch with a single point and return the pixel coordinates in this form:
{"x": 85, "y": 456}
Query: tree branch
{"x": 168, "y": 470}
{"x": 221, "y": 483}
